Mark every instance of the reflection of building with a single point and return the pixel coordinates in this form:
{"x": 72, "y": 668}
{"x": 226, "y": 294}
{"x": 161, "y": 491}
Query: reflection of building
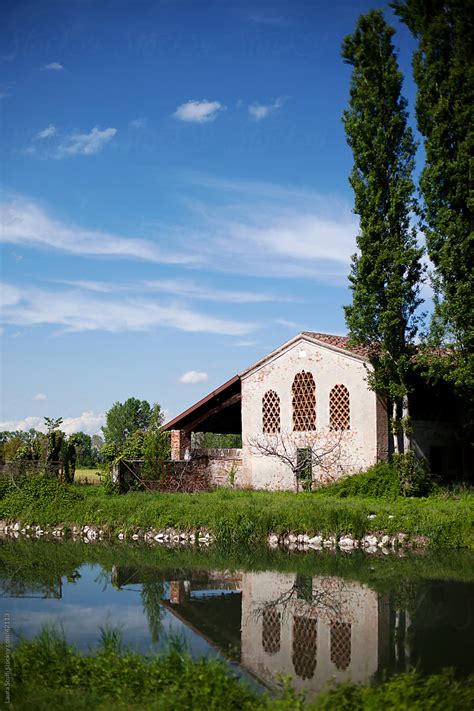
{"x": 318, "y": 629}
{"x": 313, "y": 628}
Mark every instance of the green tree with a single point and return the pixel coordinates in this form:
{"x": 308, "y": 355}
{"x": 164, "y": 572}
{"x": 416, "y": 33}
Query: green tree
{"x": 86, "y": 454}
{"x": 156, "y": 443}
{"x": 444, "y": 72}
{"x": 125, "y": 418}
{"x": 386, "y": 272}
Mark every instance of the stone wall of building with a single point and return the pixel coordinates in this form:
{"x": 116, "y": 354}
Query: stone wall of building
{"x": 328, "y": 367}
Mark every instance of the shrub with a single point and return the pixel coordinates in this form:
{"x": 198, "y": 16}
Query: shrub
{"x": 406, "y": 476}
{"x": 413, "y": 474}
{"x": 38, "y": 491}
{"x": 380, "y": 481}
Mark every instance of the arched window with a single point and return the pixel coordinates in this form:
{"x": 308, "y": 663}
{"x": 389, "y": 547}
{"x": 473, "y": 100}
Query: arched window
{"x": 341, "y": 644}
{"x": 305, "y": 645}
{"x": 339, "y": 408}
{"x": 271, "y": 623}
{"x": 271, "y": 412}
{"x": 304, "y": 402}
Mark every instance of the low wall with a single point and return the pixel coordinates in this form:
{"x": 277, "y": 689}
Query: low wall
{"x": 205, "y": 470}
{"x": 224, "y": 466}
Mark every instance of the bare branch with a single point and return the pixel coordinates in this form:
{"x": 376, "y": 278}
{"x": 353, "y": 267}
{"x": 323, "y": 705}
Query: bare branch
{"x": 313, "y": 457}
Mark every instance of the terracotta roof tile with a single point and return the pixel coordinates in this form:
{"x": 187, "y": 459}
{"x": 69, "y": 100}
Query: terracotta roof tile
{"x": 339, "y": 342}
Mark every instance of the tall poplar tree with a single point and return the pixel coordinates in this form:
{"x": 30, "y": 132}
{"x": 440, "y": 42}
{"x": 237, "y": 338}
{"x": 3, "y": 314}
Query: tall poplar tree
{"x": 386, "y": 271}
{"x": 443, "y": 67}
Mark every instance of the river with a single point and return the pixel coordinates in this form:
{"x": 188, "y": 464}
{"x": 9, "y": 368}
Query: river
{"x": 319, "y": 617}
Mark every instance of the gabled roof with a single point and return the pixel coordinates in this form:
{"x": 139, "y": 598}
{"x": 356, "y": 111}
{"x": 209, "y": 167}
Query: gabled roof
{"x": 340, "y": 342}
{"x": 219, "y": 408}
{"x": 327, "y": 340}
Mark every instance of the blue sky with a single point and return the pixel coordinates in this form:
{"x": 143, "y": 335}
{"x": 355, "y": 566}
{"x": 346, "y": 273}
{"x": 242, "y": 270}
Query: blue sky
{"x": 175, "y": 195}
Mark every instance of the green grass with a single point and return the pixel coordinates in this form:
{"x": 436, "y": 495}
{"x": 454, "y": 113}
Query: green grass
{"x": 243, "y": 517}
{"x": 48, "y": 674}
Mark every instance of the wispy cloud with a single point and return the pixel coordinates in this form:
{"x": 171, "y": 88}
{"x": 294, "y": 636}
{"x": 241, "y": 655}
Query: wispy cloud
{"x": 47, "y": 132}
{"x": 138, "y": 123}
{"x": 263, "y": 18}
{"x": 272, "y": 230}
{"x": 198, "y": 111}
{"x": 261, "y": 111}
{"x": 244, "y": 343}
{"x": 89, "y": 422}
{"x": 288, "y": 324}
{"x": 73, "y": 310}
{"x": 40, "y": 396}
{"x": 192, "y": 290}
{"x": 193, "y": 376}
{"x": 54, "y": 67}
{"x": 86, "y": 144}
{"x": 182, "y": 288}
{"x": 26, "y": 222}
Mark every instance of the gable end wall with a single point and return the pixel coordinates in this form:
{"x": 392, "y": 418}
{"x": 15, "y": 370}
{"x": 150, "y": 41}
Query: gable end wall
{"x": 328, "y": 367}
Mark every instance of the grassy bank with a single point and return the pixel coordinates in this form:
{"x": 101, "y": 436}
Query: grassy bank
{"x": 49, "y": 674}
{"x": 243, "y": 517}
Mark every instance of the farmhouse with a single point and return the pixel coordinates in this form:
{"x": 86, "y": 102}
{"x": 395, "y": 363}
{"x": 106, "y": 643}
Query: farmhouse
{"x": 305, "y": 413}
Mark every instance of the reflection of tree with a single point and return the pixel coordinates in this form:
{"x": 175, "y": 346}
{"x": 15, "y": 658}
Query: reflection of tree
{"x": 152, "y": 599}
{"x": 302, "y": 591}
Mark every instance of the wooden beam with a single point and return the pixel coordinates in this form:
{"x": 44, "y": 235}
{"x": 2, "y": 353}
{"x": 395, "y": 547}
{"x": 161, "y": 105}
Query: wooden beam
{"x": 210, "y": 413}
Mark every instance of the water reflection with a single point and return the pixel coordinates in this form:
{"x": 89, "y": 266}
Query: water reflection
{"x": 315, "y": 628}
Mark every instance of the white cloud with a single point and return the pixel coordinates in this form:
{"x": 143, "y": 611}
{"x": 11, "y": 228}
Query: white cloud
{"x": 288, "y": 324}
{"x": 193, "y": 376}
{"x": 28, "y": 423}
{"x": 89, "y": 422}
{"x": 75, "y": 311}
{"x": 9, "y": 295}
{"x": 138, "y": 123}
{"x": 54, "y": 66}
{"x": 25, "y": 222}
{"x": 192, "y": 290}
{"x": 265, "y": 19}
{"x": 46, "y": 132}
{"x": 86, "y": 144}
{"x": 267, "y": 230}
{"x": 182, "y": 288}
{"x": 198, "y": 111}
{"x": 40, "y": 396}
{"x": 261, "y": 111}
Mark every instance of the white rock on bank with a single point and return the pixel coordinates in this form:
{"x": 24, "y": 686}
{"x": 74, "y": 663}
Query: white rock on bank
{"x": 346, "y": 543}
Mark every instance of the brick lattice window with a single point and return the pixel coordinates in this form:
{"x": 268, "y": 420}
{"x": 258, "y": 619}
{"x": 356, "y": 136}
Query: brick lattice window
{"x": 341, "y": 644}
{"x": 339, "y": 408}
{"x": 304, "y": 402}
{"x": 271, "y": 412}
{"x": 271, "y": 623}
{"x": 305, "y": 645}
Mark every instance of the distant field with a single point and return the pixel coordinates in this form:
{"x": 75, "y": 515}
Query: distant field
{"x": 91, "y": 476}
